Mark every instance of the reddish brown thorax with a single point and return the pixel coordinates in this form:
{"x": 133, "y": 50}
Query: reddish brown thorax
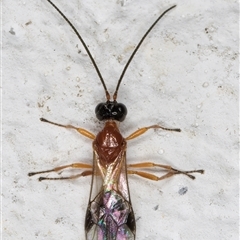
{"x": 109, "y": 143}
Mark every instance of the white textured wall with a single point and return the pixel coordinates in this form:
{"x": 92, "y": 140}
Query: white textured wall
{"x": 185, "y": 75}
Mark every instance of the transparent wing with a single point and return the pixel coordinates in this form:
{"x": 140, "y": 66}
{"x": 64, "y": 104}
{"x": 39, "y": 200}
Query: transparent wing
{"x": 109, "y": 214}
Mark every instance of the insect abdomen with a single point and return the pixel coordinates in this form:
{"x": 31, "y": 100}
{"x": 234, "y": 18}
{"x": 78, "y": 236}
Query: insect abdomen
{"x": 111, "y": 218}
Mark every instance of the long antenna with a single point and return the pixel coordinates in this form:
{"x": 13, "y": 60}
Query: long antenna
{"x": 135, "y": 50}
{"x": 92, "y": 59}
{"x": 86, "y": 48}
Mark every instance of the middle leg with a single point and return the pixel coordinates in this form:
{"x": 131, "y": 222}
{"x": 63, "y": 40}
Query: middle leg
{"x": 57, "y": 169}
{"x": 170, "y": 171}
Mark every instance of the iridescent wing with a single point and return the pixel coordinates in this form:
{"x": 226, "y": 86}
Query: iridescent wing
{"x": 109, "y": 214}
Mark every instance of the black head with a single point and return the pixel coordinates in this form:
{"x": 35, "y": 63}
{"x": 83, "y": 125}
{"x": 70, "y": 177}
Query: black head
{"x": 111, "y": 110}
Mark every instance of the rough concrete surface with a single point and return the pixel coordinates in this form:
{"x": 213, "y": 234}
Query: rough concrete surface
{"x": 184, "y": 75}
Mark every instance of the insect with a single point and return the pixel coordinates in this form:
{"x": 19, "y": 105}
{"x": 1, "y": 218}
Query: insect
{"x": 109, "y": 214}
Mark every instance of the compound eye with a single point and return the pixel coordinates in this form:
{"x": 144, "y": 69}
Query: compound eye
{"x": 111, "y": 110}
{"x": 101, "y": 111}
{"x": 119, "y": 111}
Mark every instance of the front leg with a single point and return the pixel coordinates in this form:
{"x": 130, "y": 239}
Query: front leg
{"x": 82, "y": 131}
{"x": 141, "y": 131}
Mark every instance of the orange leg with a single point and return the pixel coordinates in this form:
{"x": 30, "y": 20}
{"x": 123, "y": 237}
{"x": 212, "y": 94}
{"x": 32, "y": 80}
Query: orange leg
{"x": 57, "y": 169}
{"x": 82, "y": 131}
{"x": 170, "y": 171}
{"x": 144, "y": 129}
